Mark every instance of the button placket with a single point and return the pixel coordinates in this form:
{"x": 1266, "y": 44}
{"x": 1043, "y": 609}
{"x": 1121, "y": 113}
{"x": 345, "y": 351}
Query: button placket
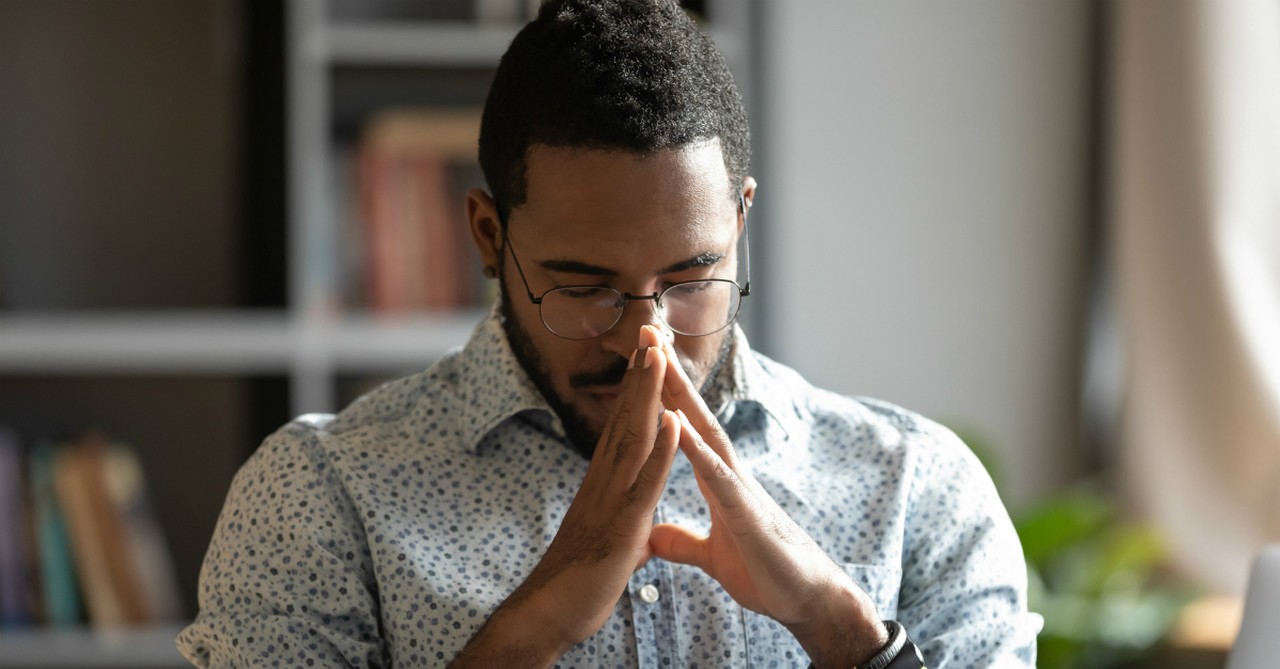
{"x": 647, "y": 641}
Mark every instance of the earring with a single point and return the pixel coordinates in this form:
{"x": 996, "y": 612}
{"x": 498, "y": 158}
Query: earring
{"x": 490, "y": 272}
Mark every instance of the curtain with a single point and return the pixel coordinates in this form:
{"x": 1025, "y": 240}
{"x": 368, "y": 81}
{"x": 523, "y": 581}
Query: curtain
{"x": 1193, "y": 136}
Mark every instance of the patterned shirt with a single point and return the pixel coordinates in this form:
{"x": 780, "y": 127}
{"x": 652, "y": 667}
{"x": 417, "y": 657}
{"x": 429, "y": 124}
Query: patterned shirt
{"x": 386, "y": 535}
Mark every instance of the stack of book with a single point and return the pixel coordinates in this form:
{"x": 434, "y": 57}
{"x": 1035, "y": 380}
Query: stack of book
{"x": 410, "y": 174}
{"x": 78, "y": 538}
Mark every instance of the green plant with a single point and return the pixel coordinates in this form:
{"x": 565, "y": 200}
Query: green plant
{"x": 1096, "y": 579}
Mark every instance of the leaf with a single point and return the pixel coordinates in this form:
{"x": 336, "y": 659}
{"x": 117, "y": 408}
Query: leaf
{"x": 1060, "y": 523}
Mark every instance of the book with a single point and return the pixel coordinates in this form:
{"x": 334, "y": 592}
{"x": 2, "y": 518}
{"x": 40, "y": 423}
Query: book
{"x": 60, "y": 596}
{"x": 112, "y": 595}
{"x": 416, "y": 236}
{"x": 15, "y": 604}
{"x": 147, "y": 552}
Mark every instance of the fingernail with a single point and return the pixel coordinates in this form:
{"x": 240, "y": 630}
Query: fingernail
{"x": 650, "y": 354}
{"x": 632, "y": 363}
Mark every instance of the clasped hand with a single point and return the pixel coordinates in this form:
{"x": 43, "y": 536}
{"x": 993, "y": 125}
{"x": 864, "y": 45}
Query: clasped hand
{"x": 758, "y": 554}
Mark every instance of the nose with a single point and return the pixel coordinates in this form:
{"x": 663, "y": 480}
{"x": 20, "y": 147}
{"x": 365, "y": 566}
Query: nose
{"x": 624, "y": 338}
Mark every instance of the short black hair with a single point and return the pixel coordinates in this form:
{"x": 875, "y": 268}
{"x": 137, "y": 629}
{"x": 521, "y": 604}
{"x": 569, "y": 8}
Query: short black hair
{"x": 634, "y": 75}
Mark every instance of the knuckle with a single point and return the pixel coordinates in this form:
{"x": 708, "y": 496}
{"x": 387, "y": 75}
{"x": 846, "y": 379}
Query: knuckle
{"x": 721, "y": 471}
{"x": 632, "y": 495}
{"x": 629, "y": 435}
{"x": 621, "y": 453}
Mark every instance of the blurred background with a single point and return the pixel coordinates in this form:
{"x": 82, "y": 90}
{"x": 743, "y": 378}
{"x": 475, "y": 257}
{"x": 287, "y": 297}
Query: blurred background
{"x": 1052, "y": 226}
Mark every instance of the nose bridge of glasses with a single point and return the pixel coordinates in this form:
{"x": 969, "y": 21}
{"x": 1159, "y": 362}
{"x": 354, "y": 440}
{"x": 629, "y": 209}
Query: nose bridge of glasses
{"x": 628, "y": 297}
{"x": 652, "y": 312}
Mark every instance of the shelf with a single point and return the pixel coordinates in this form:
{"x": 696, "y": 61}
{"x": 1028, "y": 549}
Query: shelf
{"x": 48, "y": 648}
{"x": 422, "y": 44}
{"x": 438, "y": 44}
{"x": 360, "y": 343}
{"x": 143, "y": 342}
{"x": 223, "y": 342}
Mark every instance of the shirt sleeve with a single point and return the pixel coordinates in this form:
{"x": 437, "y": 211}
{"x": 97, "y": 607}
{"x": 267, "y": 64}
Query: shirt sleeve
{"x": 964, "y": 587}
{"x": 288, "y": 575}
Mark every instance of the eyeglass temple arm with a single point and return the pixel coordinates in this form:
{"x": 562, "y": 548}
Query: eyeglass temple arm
{"x": 746, "y": 247}
{"x": 506, "y": 245}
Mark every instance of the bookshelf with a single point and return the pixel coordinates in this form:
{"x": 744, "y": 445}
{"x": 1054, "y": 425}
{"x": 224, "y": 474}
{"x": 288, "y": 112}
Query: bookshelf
{"x": 150, "y": 648}
{"x": 195, "y": 379}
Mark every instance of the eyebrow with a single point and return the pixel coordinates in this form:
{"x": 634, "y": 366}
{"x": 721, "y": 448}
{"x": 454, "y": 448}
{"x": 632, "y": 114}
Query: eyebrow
{"x": 705, "y": 259}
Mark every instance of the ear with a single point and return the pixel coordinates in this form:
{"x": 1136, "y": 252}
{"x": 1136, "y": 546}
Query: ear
{"x": 748, "y": 197}
{"x": 486, "y": 227}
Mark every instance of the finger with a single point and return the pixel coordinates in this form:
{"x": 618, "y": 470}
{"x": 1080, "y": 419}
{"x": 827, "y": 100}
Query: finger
{"x": 621, "y": 413}
{"x": 680, "y": 394}
{"x": 726, "y": 488}
{"x": 676, "y": 384}
{"x": 674, "y": 543}
{"x": 651, "y": 480}
{"x": 636, "y": 416}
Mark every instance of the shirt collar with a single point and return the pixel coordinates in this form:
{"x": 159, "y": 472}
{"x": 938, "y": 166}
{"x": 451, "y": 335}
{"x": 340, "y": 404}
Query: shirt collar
{"x": 745, "y": 380}
{"x": 495, "y": 387}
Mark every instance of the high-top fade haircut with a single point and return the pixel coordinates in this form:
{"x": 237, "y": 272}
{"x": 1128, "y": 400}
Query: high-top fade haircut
{"x": 631, "y": 75}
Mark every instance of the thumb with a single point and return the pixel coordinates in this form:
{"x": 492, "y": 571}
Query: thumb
{"x": 674, "y": 543}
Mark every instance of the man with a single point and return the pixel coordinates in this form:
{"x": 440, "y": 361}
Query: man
{"x": 607, "y": 475}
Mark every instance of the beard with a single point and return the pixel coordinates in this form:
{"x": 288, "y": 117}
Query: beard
{"x": 580, "y": 434}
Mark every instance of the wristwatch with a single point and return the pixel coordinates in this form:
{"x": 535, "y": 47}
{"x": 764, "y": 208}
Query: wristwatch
{"x": 899, "y": 653}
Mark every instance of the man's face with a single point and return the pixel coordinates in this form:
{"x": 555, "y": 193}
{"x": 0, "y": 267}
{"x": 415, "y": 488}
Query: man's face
{"x": 636, "y": 223}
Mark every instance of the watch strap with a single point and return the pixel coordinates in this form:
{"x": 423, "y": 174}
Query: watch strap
{"x": 897, "y": 639}
{"x": 899, "y": 653}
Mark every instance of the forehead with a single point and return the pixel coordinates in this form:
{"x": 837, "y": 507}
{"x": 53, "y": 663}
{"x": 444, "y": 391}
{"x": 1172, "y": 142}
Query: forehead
{"x": 584, "y": 198}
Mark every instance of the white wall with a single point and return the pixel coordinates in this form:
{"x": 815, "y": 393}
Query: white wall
{"x": 927, "y": 194}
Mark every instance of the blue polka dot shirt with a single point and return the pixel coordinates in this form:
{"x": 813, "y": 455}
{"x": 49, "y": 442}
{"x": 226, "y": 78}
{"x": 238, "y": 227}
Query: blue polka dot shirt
{"x": 386, "y": 535}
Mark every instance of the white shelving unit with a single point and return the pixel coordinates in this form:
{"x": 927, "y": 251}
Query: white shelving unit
{"x": 318, "y": 45}
{"x": 310, "y": 342}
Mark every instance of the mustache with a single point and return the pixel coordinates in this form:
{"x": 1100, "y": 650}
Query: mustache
{"x": 609, "y": 376}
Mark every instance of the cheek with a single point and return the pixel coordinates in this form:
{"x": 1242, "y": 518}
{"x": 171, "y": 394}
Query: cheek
{"x": 698, "y": 355}
{"x": 559, "y": 358}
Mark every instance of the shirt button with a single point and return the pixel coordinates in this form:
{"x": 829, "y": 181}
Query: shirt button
{"x": 649, "y": 594}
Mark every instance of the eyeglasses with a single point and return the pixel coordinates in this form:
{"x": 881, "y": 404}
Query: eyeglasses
{"x": 691, "y": 308}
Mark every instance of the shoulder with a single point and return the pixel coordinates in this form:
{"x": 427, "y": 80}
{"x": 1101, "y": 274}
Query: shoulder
{"x": 439, "y": 386}
{"x": 864, "y": 428}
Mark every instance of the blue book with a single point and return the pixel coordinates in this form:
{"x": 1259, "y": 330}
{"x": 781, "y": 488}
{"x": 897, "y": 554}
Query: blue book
{"x": 15, "y": 597}
{"x": 57, "y": 571}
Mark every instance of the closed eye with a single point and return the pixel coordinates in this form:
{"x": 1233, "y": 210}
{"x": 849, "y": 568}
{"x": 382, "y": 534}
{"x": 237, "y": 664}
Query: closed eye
{"x": 583, "y": 292}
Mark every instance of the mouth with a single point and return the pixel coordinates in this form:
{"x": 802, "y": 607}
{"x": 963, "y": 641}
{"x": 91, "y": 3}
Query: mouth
{"x": 605, "y": 397}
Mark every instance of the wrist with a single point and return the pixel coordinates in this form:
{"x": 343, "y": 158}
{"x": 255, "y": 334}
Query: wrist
{"x": 531, "y": 622}
{"x": 845, "y": 631}
{"x": 516, "y": 635}
{"x": 899, "y": 653}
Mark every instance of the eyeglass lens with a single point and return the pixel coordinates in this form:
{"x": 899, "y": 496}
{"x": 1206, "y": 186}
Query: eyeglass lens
{"x": 695, "y": 308}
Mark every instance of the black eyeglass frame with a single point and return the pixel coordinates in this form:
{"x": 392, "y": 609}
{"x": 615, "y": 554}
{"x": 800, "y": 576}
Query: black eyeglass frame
{"x": 627, "y": 298}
